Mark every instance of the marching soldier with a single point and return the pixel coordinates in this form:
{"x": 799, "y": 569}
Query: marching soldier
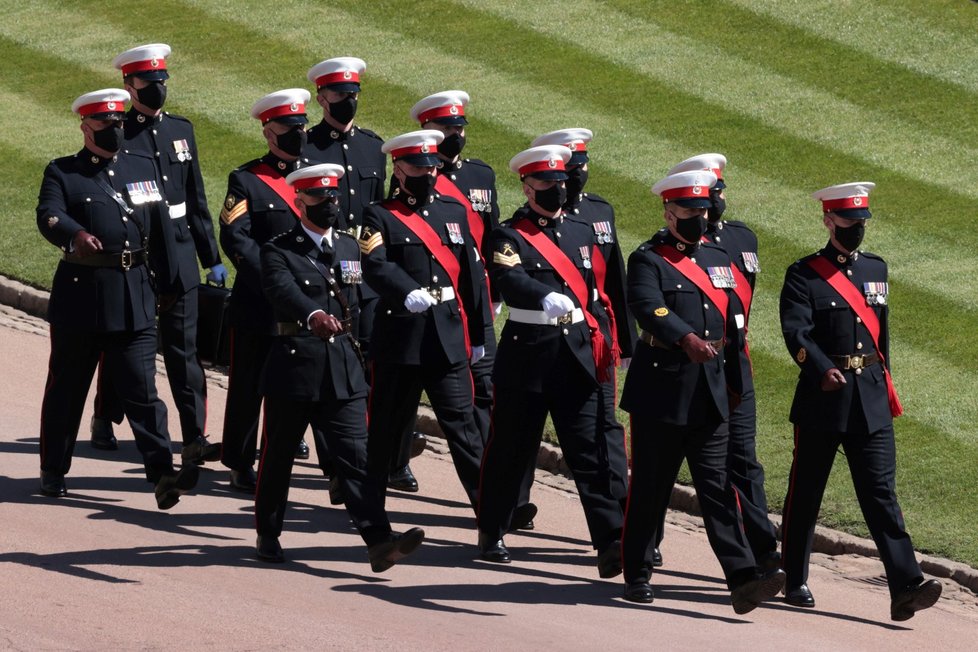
{"x": 745, "y": 471}
{"x": 259, "y": 205}
{"x": 677, "y": 391}
{"x": 554, "y": 353}
{"x": 183, "y": 235}
{"x": 834, "y": 317}
{"x": 97, "y": 207}
{"x": 419, "y": 256}
{"x": 314, "y": 371}
{"x": 472, "y": 183}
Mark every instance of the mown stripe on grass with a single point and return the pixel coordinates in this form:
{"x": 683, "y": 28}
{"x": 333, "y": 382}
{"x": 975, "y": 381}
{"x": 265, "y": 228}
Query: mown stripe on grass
{"x": 877, "y": 86}
{"x": 646, "y": 48}
{"x": 939, "y": 46}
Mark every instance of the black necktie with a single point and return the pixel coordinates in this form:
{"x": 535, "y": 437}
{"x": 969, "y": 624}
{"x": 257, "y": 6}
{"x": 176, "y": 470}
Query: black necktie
{"x": 328, "y": 251}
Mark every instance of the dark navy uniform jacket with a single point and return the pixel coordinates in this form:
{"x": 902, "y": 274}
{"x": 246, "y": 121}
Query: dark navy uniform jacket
{"x": 817, "y": 323}
{"x": 477, "y": 181}
{"x": 358, "y": 151}
{"x": 303, "y": 366}
{"x": 395, "y": 262}
{"x": 185, "y": 232}
{"x": 98, "y": 299}
{"x": 524, "y": 277}
{"x": 740, "y": 243}
{"x": 599, "y": 214}
{"x": 663, "y": 383}
{"x": 253, "y": 214}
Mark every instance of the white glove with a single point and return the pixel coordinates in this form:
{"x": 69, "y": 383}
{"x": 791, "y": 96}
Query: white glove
{"x": 478, "y": 352}
{"x": 556, "y": 304}
{"x": 625, "y": 363}
{"x": 419, "y": 300}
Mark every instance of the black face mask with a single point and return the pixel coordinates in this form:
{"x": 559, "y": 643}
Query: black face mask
{"x": 452, "y": 145}
{"x": 324, "y": 213}
{"x": 153, "y": 96}
{"x": 576, "y": 180}
{"x": 292, "y": 141}
{"x": 715, "y": 212}
{"x": 344, "y": 110}
{"x": 109, "y": 138}
{"x": 552, "y": 198}
{"x": 691, "y": 229}
{"x": 420, "y": 187}
{"x": 850, "y": 237}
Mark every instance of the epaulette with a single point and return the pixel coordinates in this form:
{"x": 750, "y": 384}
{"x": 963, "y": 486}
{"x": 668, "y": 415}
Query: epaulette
{"x": 596, "y": 198}
{"x": 479, "y": 163}
{"x": 345, "y": 233}
{"x": 372, "y": 134}
{"x": 277, "y": 236}
{"x": 869, "y": 254}
{"x": 247, "y": 166}
{"x": 177, "y": 117}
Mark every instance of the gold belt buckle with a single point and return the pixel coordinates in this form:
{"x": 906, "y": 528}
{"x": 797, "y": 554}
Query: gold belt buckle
{"x": 435, "y": 294}
{"x": 126, "y": 260}
{"x": 566, "y": 318}
{"x": 855, "y": 361}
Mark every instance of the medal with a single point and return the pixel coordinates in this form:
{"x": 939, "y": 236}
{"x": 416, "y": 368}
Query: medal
{"x": 454, "y": 233}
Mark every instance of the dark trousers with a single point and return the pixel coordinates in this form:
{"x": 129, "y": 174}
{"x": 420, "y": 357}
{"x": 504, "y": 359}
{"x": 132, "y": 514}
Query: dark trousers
{"x": 658, "y": 450}
{"x": 243, "y": 407}
{"x": 178, "y": 334}
{"x": 394, "y": 396}
{"x": 872, "y": 463}
{"x": 343, "y": 425}
{"x": 572, "y": 400}
{"x": 131, "y": 355}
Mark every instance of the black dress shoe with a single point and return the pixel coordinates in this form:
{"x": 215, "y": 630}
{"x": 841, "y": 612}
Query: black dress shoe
{"x": 268, "y": 549}
{"x": 799, "y": 596}
{"x": 403, "y": 480}
{"x": 172, "y": 485}
{"x": 418, "y": 443}
{"x": 493, "y": 550}
{"x": 199, "y": 451}
{"x": 53, "y": 485}
{"x": 523, "y": 517}
{"x": 302, "y": 451}
{"x": 639, "y": 592}
{"x": 102, "y": 436}
{"x": 753, "y": 592}
{"x": 244, "y": 480}
{"x": 914, "y": 598}
{"x": 656, "y": 559}
{"x": 384, "y": 555}
{"x": 609, "y": 561}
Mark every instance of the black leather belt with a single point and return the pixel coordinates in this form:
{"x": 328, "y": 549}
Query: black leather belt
{"x": 647, "y": 337}
{"x": 846, "y": 362}
{"x": 287, "y": 328}
{"x": 123, "y": 260}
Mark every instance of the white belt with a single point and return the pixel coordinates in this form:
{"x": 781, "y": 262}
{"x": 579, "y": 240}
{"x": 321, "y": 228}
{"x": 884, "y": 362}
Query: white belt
{"x": 540, "y": 318}
{"x": 594, "y": 294}
{"x": 178, "y": 210}
{"x": 441, "y": 295}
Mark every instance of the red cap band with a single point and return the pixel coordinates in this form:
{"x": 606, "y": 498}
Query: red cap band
{"x": 316, "y": 182}
{"x": 718, "y": 172}
{"x": 579, "y": 146}
{"x": 450, "y": 111}
{"x": 296, "y": 108}
{"x": 341, "y": 77}
{"x": 845, "y": 203}
{"x": 415, "y": 149}
{"x": 550, "y": 165}
{"x": 158, "y": 63}
{"x": 102, "y": 107}
{"x": 688, "y": 192}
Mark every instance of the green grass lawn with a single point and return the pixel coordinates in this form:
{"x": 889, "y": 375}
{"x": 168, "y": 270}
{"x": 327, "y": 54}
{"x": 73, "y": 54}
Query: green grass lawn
{"x": 797, "y": 95}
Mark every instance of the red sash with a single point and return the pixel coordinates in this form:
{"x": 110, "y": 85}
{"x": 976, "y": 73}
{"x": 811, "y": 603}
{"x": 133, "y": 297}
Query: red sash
{"x": 433, "y": 242}
{"x": 445, "y": 186}
{"x": 600, "y": 269}
{"x": 697, "y": 276}
{"x": 568, "y": 272}
{"x": 850, "y": 293}
{"x": 277, "y": 183}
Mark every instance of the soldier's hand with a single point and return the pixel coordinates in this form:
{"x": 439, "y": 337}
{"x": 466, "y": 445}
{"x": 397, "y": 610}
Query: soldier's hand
{"x": 86, "y": 244}
{"x": 833, "y": 380}
{"x": 418, "y": 301}
{"x": 698, "y": 349}
{"x": 324, "y": 325}
{"x": 556, "y": 305}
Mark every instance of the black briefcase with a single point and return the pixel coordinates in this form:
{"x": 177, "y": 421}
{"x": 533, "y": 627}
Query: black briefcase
{"x": 213, "y": 324}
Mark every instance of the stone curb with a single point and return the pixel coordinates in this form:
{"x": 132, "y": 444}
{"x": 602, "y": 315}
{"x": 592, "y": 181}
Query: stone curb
{"x": 831, "y": 542}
